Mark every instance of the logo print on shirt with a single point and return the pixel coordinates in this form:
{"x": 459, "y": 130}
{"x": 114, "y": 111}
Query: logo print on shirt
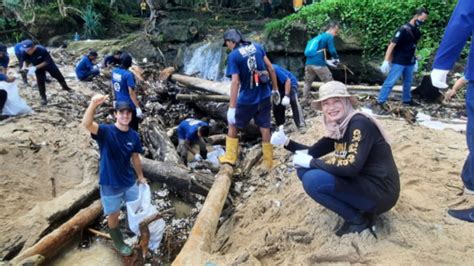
{"x": 129, "y": 144}
{"x": 248, "y": 50}
{"x": 116, "y": 77}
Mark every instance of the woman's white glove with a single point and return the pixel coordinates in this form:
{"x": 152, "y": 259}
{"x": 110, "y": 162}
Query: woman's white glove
{"x": 285, "y": 101}
{"x": 231, "y": 115}
{"x": 385, "y": 67}
{"x": 31, "y": 71}
{"x": 279, "y": 137}
{"x": 438, "y": 78}
{"x": 139, "y": 112}
{"x": 302, "y": 160}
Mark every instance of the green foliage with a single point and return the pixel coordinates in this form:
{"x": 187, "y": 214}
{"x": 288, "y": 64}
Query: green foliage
{"x": 92, "y": 26}
{"x": 373, "y": 21}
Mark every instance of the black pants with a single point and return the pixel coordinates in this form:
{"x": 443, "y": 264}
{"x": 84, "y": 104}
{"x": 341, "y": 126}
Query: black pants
{"x": 41, "y": 79}
{"x": 279, "y": 111}
{"x": 3, "y": 99}
{"x": 134, "y": 123}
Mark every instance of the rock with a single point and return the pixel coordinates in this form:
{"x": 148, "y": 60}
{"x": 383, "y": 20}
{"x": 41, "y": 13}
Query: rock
{"x": 180, "y": 30}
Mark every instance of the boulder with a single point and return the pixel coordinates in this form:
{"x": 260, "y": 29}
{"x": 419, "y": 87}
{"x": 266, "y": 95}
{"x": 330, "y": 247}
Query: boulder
{"x": 180, "y": 30}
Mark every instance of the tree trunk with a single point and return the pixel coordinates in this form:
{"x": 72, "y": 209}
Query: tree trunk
{"x": 51, "y": 243}
{"x": 158, "y": 142}
{"x": 202, "y": 98}
{"x": 202, "y": 84}
{"x": 198, "y": 245}
{"x": 361, "y": 88}
{"x": 177, "y": 176}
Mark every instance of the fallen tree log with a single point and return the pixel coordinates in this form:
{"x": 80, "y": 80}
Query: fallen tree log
{"x": 198, "y": 246}
{"x": 177, "y": 176}
{"x": 203, "y": 84}
{"x": 157, "y": 141}
{"x": 355, "y": 88}
{"x": 51, "y": 243}
{"x": 202, "y": 98}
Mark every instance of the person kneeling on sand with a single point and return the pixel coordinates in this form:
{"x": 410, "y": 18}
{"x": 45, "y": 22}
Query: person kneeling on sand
{"x": 360, "y": 180}
{"x": 118, "y": 145}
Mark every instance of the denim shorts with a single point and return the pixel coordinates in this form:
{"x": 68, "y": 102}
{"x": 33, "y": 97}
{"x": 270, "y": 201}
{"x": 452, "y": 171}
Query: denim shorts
{"x": 112, "y": 197}
{"x": 261, "y": 113}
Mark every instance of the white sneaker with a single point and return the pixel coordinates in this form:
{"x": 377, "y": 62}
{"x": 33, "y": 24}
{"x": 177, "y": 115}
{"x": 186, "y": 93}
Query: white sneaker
{"x": 468, "y": 191}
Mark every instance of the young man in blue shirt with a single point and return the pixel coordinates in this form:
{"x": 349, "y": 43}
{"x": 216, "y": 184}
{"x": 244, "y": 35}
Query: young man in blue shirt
{"x": 190, "y": 132}
{"x": 86, "y": 69}
{"x": 400, "y": 60}
{"x": 287, "y": 86}
{"x": 19, "y": 57}
{"x": 457, "y": 33}
{"x": 317, "y": 64}
{"x": 123, "y": 83}
{"x": 113, "y": 59}
{"x": 250, "y": 94}
{"x": 42, "y": 62}
{"x": 120, "y": 149}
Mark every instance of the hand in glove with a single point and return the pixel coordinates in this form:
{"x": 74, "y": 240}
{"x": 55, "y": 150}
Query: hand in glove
{"x": 285, "y": 101}
{"x": 302, "y": 160}
{"x": 96, "y": 67}
{"x": 231, "y": 115}
{"x": 415, "y": 67}
{"x": 333, "y": 62}
{"x": 139, "y": 112}
{"x": 31, "y": 71}
{"x": 279, "y": 137}
{"x": 385, "y": 67}
{"x": 276, "y": 97}
{"x": 438, "y": 78}
{"x": 197, "y": 157}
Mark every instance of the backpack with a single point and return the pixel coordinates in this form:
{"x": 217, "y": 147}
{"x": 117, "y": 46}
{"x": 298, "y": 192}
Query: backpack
{"x": 312, "y": 47}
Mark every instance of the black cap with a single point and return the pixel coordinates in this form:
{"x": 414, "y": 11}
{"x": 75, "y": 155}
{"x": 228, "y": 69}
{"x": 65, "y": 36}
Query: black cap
{"x": 3, "y": 48}
{"x": 232, "y": 35}
{"x": 92, "y": 53}
{"x": 119, "y": 106}
{"x": 125, "y": 60}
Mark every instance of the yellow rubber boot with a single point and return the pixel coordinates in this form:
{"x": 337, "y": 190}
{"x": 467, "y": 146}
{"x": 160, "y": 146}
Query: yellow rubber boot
{"x": 267, "y": 149}
{"x": 231, "y": 151}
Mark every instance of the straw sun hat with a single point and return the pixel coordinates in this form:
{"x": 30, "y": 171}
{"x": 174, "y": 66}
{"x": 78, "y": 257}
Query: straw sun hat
{"x": 332, "y": 89}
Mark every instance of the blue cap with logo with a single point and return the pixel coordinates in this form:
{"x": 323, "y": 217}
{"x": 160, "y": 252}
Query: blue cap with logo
{"x": 27, "y": 45}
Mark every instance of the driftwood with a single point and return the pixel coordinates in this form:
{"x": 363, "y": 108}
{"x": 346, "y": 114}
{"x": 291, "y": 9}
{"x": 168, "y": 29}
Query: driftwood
{"x": 177, "y": 176}
{"x": 50, "y": 244}
{"x": 158, "y": 142}
{"x": 198, "y": 245}
{"x": 217, "y": 139}
{"x": 166, "y": 73}
{"x": 356, "y": 88}
{"x": 200, "y": 97}
{"x": 202, "y": 84}
{"x": 145, "y": 232}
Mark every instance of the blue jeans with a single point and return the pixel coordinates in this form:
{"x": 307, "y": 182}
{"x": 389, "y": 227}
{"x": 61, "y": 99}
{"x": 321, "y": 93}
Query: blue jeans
{"x": 468, "y": 169}
{"x": 321, "y": 186}
{"x": 395, "y": 72}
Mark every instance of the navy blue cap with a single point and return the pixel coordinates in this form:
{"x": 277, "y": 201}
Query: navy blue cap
{"x": 232, "y": 35}
{"x": 119, "y": 106}
{"x": 27, "y": 45}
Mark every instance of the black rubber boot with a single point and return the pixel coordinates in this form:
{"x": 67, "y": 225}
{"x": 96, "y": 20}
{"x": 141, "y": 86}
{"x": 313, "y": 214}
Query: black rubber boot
{"x": 65, "y": 86}
{"x": 119, "y": 245}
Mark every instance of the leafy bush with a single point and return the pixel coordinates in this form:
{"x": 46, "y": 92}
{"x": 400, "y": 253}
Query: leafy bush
{"x": 373, "y": 21}
{"x": 92, "y": 25}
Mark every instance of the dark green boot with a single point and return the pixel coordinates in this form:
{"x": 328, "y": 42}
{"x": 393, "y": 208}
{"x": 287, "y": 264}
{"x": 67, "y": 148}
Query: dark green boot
{"x": 119, "y": 245}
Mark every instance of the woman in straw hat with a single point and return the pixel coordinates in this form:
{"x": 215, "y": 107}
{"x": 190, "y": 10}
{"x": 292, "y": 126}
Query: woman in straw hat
{"x": 360, "y": 179}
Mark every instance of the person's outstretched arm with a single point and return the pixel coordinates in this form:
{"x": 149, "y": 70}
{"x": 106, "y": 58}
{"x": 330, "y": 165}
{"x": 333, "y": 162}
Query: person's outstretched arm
{"x": 88, "y": 118}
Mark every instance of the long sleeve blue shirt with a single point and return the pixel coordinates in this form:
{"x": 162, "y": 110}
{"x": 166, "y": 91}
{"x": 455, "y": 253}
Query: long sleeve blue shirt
{"x": 326, "y": 42}
{"x": 458, "y": 31}
{"x": 84, "y": 67}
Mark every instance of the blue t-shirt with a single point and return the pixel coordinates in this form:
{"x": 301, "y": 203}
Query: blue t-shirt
{"x": 39, "y": 56}
{"x": 326, "y": 42}
{"x": 19, "y": 54}
{"x": 84, "y": 67}
{"x": 188, "y": 129}
{"x": 123, "y": 79}
{"x": 111, "y": 60}
{"x": 116, "y": 148}
{"x": 3, "y": 77}
{"x": 282, "y": 76}
{"x": 4, "y": 60}
{"x": 244, "y": 60}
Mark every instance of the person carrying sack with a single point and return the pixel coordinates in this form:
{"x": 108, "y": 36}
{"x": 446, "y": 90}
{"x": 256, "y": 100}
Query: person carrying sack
{"x": 250, "y": 94}
{"x": 316, "y": 57}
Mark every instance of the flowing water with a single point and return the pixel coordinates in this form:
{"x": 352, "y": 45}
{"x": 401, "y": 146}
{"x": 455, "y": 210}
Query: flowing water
{"x": 205, "y": 60}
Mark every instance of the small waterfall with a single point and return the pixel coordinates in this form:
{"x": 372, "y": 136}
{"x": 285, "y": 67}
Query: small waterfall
{"x": 206, "y": 59}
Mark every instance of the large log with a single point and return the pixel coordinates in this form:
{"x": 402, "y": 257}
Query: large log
{"x": 203, "y": 98}
{"x": 203, "y": 84}
{"x": 51, "y": 243}
{"x": 158, "y": 142}
{"x": 177, "y": 176}
{"x": 198, "y": 246}
{"x": 355, "y": 88}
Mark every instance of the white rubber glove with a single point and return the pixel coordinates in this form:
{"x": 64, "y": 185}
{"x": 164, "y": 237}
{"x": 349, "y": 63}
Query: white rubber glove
{"x": 231, "y": 116}
{"x": 333, "y": 62}
{"x": 95, "y": 67}
{"x": 139, "y": 112}
{"x": 197, "y": 157}
{"x": 438, "y": 78}
{"x": 279, "y": 137}
{"x": 276, "y": 97}
{"x": 285, "y": 101}
{"x": 302, "y": 160}
{"x": 385, "y": 67}
{"x": 415, "y": 67}
{"x": 31, "y": 71}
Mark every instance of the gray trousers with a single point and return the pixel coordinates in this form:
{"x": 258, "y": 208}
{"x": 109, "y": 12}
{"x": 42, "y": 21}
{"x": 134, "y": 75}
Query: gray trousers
{"x": 310, "y": 73}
